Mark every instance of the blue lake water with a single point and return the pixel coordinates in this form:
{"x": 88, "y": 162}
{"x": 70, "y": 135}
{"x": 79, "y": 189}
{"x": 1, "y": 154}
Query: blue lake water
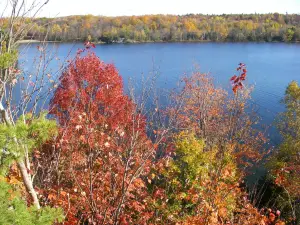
{"x": 271, "y": 66}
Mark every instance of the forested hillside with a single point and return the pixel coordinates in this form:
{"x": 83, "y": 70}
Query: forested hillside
{"x": 155, "y": 28}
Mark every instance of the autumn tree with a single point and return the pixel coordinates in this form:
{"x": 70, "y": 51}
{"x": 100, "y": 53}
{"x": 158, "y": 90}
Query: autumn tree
{"x": 218, "y": 117}
{"x": 104, "y": 152}
{"x": 196, "y": 186}
{"x": 211, "y": 141}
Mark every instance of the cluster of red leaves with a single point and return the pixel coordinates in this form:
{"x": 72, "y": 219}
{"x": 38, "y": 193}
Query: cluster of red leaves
{"x": 237, "y": 81}
{"x": 271, "y": 217}
{"x": 104, "y": 149}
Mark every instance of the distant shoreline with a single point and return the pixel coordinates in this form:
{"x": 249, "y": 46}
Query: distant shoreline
{"x": 167, "y": 28}
{"x": 145, "y": 42}
{"x": 36, "y": 41}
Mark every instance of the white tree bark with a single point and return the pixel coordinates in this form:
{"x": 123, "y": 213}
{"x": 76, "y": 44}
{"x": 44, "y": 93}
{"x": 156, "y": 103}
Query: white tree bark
{"x": 28, "y": 183}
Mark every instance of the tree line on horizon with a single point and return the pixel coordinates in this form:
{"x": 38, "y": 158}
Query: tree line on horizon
{"x": 273, "y": 27}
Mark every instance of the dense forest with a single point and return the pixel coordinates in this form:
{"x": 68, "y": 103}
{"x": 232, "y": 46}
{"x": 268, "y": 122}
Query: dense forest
{"x": 76, "y": 149}
{"x": 154, "y": 28}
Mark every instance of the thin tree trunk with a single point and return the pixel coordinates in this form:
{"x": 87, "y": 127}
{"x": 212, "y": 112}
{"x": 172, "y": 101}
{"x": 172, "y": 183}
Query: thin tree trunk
{"x": 28, "y": 183}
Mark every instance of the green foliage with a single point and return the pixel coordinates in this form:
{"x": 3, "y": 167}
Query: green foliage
{"x": 290, "y": 34}
{"x": 191, "y": 160}
{"x": 285, "y": 162}
{"x": 289, "y": 126}
{"x": 198, "y": 180}
{"x": 13, "y": 209}
{"x": 7, "y": 59}
{"x": 27, "y": 134}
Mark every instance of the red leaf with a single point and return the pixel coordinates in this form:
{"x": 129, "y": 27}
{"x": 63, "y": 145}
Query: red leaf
{"x": 233, "y": 78}
{"x": 235, "y": 89}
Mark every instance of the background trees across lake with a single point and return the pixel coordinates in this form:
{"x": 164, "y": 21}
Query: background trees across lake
{"x": 237, "y": 28}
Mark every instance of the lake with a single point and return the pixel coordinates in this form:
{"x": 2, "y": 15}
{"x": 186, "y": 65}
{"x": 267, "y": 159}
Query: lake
{"x": 271, "y": 66}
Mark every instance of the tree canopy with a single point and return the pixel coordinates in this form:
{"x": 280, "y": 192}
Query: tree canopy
{"x": 192, "y": 27}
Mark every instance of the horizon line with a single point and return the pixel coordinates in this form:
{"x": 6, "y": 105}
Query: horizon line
{"x": 169, "y": 14}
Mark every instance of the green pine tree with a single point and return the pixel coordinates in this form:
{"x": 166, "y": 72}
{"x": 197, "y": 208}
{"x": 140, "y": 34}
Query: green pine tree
{"x": 27, "y": 133}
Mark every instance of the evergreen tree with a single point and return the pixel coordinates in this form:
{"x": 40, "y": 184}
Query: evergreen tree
{"x": 14, "y": 211}
{"x": 13, "y": 206}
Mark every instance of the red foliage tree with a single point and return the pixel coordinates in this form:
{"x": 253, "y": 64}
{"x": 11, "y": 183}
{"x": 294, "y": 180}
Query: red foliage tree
{"x": 237, "y": 81}
{"x": 218, "y": 117}
{"x": 103, "y": 147}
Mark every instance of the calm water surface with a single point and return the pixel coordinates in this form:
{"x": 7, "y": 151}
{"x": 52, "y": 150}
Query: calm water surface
{"x": 271, "y": 66}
